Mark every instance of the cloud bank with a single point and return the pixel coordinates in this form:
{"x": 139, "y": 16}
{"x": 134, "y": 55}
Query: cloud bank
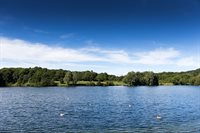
{"x": 20, "y": 53}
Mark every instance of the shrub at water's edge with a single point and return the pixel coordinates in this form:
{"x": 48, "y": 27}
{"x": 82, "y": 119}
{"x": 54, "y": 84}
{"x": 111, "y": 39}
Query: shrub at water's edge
{"x": 38, "y": 76}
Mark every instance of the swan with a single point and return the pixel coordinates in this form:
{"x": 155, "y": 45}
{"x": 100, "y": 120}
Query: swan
{"x": 62, "y": 114}
{"x": 158, "y": 117}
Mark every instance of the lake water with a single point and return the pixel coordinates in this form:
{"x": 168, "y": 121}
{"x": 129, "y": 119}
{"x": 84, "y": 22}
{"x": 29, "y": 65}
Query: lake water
{"x": 100, "y": 109}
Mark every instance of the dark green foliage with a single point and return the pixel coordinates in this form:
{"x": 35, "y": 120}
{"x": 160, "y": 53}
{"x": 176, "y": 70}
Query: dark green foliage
{"x": 89, "y": 76}
{"x": 2, "y": 81}
{"x": 102, "y": 77}
{"x": 151, "y": 79}
{"x": 137, "y": 79}
{"x": 68, "y": 78}
{"x": 109, "y": 83}
{"x": 46, "y": 79}
{"x": 59, "y": 75}
{"x": 130, "y": 79}
{"x": 74, "y": 78}
{"x": 38, "y": 76}
{"x": 7, "y": 75}
{"x": 27, "y": 76}
{"x": 99, "y": 83}
{"x": 180, "y": 78}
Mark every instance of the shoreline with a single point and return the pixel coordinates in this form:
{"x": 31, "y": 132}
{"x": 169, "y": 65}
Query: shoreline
{"x": 43, "y": 77}
{"x": 93, "y": 86}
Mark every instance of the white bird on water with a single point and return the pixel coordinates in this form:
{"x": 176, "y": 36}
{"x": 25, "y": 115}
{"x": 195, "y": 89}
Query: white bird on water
{"x": 62, "y": 114}
{"x": 158, "y": 117}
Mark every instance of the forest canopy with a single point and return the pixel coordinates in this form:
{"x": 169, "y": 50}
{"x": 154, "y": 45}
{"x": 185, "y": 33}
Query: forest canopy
{"x": 38, "y": 76}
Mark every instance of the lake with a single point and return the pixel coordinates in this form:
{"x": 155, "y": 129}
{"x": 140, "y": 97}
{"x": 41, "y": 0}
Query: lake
{"x": 100, "y": 109}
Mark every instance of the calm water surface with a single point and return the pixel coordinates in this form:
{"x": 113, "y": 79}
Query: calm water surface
{"x": 100, "y": 109}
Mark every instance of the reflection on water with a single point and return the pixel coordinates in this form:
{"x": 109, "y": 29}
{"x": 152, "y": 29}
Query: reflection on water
{"x": 100, "y": 109}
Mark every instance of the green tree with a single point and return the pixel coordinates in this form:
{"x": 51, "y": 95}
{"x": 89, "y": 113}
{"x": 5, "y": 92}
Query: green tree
{"x": 74, "y": 78}
{"x": 197, "y": 80}
{"x": 2, "y": 81}
{"x": 102, "y": 77}
{"x": 89, "y": 76}
{"x": 151, "y": 79}
{"x": 68, "y": 78}
{"x": 46, "y": 79}
{"x": 35, "y": 79}
{"x": 131, "y": 79}
{"x": 59, "y": 75}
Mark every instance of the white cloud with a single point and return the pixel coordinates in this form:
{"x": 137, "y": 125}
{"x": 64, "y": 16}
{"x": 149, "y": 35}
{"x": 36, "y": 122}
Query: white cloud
{"x": 20, "y": 53}
{"x": 36, "y": 53}
{"x": 113, "y": 56}
{"x": 158, "y": 56}
{"x": 189, "y": 61}
{"x": 15, "y": 49}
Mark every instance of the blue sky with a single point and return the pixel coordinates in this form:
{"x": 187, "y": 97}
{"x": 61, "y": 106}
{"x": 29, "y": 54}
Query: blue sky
{"x": 101, "y": 35}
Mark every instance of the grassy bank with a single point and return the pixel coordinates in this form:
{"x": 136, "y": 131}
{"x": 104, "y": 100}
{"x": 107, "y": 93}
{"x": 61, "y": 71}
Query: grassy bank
{"x": 92, "y": 83}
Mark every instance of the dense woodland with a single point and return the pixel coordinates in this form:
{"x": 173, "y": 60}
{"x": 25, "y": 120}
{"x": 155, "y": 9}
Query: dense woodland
{"x": 38, "y": 76}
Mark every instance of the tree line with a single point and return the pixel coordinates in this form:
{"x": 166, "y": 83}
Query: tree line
{"x": 180, "y": 78}
{"x": 38, "y": 76}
